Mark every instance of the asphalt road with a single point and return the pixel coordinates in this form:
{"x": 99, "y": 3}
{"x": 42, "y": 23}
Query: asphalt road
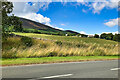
{"x": 88, "y": 69}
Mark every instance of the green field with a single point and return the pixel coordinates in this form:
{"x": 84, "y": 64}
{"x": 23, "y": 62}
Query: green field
{"x": 44, "y": 60}
{"x": 72, "y": 39}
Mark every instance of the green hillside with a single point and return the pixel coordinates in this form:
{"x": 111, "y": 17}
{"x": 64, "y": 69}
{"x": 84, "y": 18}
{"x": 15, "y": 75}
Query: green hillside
{"x": 35, "y": 27}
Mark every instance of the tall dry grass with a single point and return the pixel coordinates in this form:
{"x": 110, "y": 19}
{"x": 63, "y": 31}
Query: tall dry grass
{"x": 14, "y": 48}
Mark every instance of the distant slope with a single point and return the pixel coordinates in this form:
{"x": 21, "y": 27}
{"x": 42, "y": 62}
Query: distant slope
{"x": 35, "y": 25}
{"x": 29, "y": 24}
{"x": 72, "y": 31}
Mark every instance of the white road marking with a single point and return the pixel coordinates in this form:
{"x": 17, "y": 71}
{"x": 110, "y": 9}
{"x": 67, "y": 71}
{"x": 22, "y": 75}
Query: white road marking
{"x": 58, "y": 76}
{"x": 115, "y": 69}
{"x": 52, "y": 77}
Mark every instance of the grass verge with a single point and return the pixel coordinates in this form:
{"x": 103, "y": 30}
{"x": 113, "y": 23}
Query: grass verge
{"x": 43, "y": 60}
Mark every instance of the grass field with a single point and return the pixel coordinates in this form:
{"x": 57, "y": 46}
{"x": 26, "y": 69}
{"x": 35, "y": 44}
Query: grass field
{"x": 24, "y": 61}
{"x": 60, "y": 46}
{"x": 71, "y": 39}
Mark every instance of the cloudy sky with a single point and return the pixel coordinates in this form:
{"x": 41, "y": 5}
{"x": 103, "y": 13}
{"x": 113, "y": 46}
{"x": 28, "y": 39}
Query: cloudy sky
{"x": 83, "y": 17}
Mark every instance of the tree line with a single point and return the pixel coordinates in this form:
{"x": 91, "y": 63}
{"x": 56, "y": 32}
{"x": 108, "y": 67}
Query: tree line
{"x": 108, "y": 36}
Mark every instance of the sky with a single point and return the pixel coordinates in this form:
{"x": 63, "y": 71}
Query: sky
{"x": 83, "y": 17}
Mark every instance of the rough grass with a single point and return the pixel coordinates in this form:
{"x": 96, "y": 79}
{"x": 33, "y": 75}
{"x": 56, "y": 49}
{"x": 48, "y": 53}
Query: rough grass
{"x": 24, "y": 61}
{"x": 70, "y": 39}
{"x": 60, "y": 46}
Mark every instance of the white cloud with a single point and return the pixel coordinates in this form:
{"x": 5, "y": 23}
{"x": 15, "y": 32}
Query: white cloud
{"x": 36, "y": 17}
{"x": 24, "y": 7}
{"x": 59, "y": 28}
{"x": 107, "y": 4}
{"x": 112, "y": 22}
{"x": 97, "y": 6}
{"x": 24, "y": 10}
{"x": 115, "y": 32}
{"x": 82, "y": 32}
{"x": 54, "y": 26}
{"x": 83, "y": 10}
{"x": 111, "y": 32}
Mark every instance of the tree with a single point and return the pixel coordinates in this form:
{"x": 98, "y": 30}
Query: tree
{"x": 116, "y": 37}
{"x": 9, "y": 23}
{"x": 84, "y": 35}
{"x": 103, "y": 36}
{"x": 96, "y": 36}
{"x": 7, "y": 8}
{"x": 14, "y": 20}
{"x": 108, "y": 36}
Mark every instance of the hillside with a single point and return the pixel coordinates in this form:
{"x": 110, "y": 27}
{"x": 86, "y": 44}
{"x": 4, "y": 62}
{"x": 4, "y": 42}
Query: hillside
{"x": 35, "y": 25}
{"x": 72, "y": 31}
{"x": 29, "y": 24}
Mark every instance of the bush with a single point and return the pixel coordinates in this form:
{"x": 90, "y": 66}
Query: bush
{"x": 78, "y": 45}
{"x": 27, "y": 41}
{"x": 96, "y": 36}
{"x": 58, "y": 43}
{"x": 108, "y": 38}
{"x": 43, "y": 46}
{"x": 116, "y": 37}
{"x": 81, "y": 45}
{"x": 51, "y": 54}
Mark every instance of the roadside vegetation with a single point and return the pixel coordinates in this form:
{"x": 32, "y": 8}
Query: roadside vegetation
{"x": 61, "y": 46}
{"x": 45, "y": 60}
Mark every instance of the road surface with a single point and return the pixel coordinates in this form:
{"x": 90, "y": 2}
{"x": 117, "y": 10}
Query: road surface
{"x": 87, "y": 69}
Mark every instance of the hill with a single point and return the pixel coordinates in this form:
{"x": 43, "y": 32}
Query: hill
{"x": 32, "y": 26}
{"x": 35, "y": 25}
{"x": 72, "y": 31}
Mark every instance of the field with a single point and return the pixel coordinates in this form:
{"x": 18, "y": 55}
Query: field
{"x": 71, "y": 39}
{"x": 61, "y": 46}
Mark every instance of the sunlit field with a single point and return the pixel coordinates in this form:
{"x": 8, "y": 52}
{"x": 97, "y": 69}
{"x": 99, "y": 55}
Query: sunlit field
{"x": 61, "y": 46}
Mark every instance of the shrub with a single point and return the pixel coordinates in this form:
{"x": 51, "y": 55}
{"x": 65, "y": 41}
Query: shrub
{"x": 58, "y": 43}
{"x": 51, "y": 54}
{"x": 27, "y": 41}
{"x": 43, "y": 46}
{"x": 96, "y": 36}
{"x": 78, "y": 45}
{"x": 81, "y": 45}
